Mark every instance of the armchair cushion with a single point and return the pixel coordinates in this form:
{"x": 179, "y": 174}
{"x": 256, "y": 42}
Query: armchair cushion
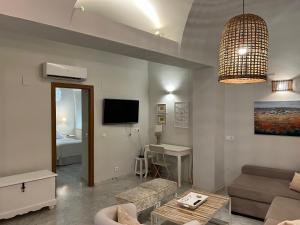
{"x": 109, "y": 215}
{"x": 125, "y": 218}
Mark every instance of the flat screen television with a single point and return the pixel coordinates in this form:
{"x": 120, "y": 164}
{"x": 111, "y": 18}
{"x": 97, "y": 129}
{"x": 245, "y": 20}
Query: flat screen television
{"x": 120, "y": 111}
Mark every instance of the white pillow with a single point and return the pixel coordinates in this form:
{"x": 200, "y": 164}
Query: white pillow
{"x": 295, "y": 184}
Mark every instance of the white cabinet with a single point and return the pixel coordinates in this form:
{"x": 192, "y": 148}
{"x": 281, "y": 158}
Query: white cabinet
{"x": 26, "y": 192}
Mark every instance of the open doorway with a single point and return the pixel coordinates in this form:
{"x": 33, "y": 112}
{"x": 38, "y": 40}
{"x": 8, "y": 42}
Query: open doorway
{"x": 72, "y": 115}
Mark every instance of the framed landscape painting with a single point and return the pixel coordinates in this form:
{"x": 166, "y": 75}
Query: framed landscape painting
{"x": 277, "y": 118}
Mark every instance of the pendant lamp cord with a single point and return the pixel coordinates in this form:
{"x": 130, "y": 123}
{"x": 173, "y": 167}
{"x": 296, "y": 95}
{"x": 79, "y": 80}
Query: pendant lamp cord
{"x": 243, "y": 19}
{"x": 244, "y": 35}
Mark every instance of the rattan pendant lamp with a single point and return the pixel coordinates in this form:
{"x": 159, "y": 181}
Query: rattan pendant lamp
{"x": 243, "y": 53}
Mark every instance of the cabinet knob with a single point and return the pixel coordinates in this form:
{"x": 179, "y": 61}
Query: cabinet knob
{"x": 23, "y": 187}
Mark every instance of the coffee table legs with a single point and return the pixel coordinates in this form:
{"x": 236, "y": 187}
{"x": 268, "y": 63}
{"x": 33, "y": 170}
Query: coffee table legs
{"x": 229, "y": 211}
{"x": 154, "y": 219}
{"x": 179, "y": 170}
{"x": 221, "y": 221}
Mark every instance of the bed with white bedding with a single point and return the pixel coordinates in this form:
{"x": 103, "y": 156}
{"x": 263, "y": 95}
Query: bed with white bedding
{"x": 68, "y": 150}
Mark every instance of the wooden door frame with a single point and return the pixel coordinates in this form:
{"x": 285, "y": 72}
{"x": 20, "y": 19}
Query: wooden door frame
{"x": 90, "y": 90}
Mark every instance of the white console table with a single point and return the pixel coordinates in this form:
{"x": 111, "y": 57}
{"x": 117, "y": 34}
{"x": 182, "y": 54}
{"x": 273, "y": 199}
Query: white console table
{"x": 26, "y": 192}
{"x": 177, "y": 151}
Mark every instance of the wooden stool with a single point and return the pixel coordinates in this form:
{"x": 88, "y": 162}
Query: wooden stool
{"x": 139, "y": 166}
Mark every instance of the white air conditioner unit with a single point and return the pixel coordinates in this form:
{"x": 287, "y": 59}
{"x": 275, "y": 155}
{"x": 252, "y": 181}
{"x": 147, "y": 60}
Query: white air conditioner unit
{"x": 58, "y": 71}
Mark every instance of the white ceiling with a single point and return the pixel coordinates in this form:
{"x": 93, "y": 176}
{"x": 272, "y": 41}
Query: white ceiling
{"x": 207, "y": 19}
{"x": 167, "y": 16}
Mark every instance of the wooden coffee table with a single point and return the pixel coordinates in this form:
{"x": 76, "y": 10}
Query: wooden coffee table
{"x": 203, "y": 214}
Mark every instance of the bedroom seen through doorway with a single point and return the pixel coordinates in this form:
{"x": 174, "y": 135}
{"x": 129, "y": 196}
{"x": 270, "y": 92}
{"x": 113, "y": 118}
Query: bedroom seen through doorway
{"x": 71, "y": 150}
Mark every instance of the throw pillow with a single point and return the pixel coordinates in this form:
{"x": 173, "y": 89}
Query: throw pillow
{"x": 290, "y": 222}
{"x": 295, "y": 184}
{"x": 125, "y": 218}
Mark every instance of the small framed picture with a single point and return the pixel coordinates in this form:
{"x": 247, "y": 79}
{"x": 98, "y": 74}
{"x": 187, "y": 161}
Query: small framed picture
{"x": 181, "y": 110}
{"x": 161, "y": 119}
{"x": 161, "y": 108}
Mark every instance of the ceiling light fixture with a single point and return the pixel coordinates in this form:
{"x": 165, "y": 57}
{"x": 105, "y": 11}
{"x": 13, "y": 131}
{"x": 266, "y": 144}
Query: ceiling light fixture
{"x": 148, "y": 9}
{"x": 243, "y": 53}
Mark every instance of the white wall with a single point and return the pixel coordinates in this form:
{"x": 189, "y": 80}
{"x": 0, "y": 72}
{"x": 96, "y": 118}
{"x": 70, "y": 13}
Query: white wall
{"x": 228, "y": 110}
{"x": 201, "y": 41}
{"x": 25, "y": 108}
{"x": 163, "y": 78}
{"x": 208, "y": 130}
{"x": 248, "y": 148}
{"x": 206, "y": 22}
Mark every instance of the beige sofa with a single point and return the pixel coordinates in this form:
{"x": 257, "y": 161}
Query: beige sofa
{"x": 264, "y": 193}
{"x": 283, "y": 209}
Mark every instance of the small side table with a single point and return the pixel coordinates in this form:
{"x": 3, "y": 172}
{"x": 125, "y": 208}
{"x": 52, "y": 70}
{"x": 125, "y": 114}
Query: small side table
{"x": 139, "y": 167}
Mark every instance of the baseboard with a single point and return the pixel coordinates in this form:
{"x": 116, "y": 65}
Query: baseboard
{"x": 244, "y": 215}
{"x": 113, "y": 179}
{"x": 220, "y": 189}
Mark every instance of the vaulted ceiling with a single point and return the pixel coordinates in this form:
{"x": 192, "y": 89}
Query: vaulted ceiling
{"x": 207, "y": 18}
{"x": 166, "y": 17}
{"x": 190, "y": 29}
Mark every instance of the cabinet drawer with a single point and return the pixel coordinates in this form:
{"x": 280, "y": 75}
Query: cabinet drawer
{"x": 34, "y": 193}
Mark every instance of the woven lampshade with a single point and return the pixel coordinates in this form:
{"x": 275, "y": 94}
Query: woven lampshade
{"x": 243, "y": 54}
{"x": 282, "y": 85}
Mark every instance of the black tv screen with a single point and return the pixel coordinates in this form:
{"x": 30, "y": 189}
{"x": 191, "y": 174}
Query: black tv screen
{"x": 117, "y": 111}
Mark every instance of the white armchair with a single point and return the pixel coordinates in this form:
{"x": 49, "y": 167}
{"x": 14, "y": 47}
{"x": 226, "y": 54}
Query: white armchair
{"x": 108, "y": 216}
{"x": 193, "y": 222}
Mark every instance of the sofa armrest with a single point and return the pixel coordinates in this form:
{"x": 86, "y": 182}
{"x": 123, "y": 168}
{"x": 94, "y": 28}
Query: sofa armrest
{"x": 268, "y": 172}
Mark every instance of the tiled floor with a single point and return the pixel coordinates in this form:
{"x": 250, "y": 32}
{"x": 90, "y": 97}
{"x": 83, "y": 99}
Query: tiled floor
{"x": 77, "y": 204}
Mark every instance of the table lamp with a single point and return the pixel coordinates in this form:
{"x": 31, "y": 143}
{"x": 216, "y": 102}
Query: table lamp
{"x": 158, "y": 132}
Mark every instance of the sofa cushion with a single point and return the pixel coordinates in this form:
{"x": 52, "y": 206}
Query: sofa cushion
{"x": 261, "y": 189}
{"x": 290, "y": 222}
{"x": 268, "y": 172}
{"x": 284, "y": 209}
{"x": 272, "y": 222}
{"x": 249, "y": 207}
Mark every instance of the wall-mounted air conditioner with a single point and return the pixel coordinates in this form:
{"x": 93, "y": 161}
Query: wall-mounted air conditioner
{"x": 58, "y": 71}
